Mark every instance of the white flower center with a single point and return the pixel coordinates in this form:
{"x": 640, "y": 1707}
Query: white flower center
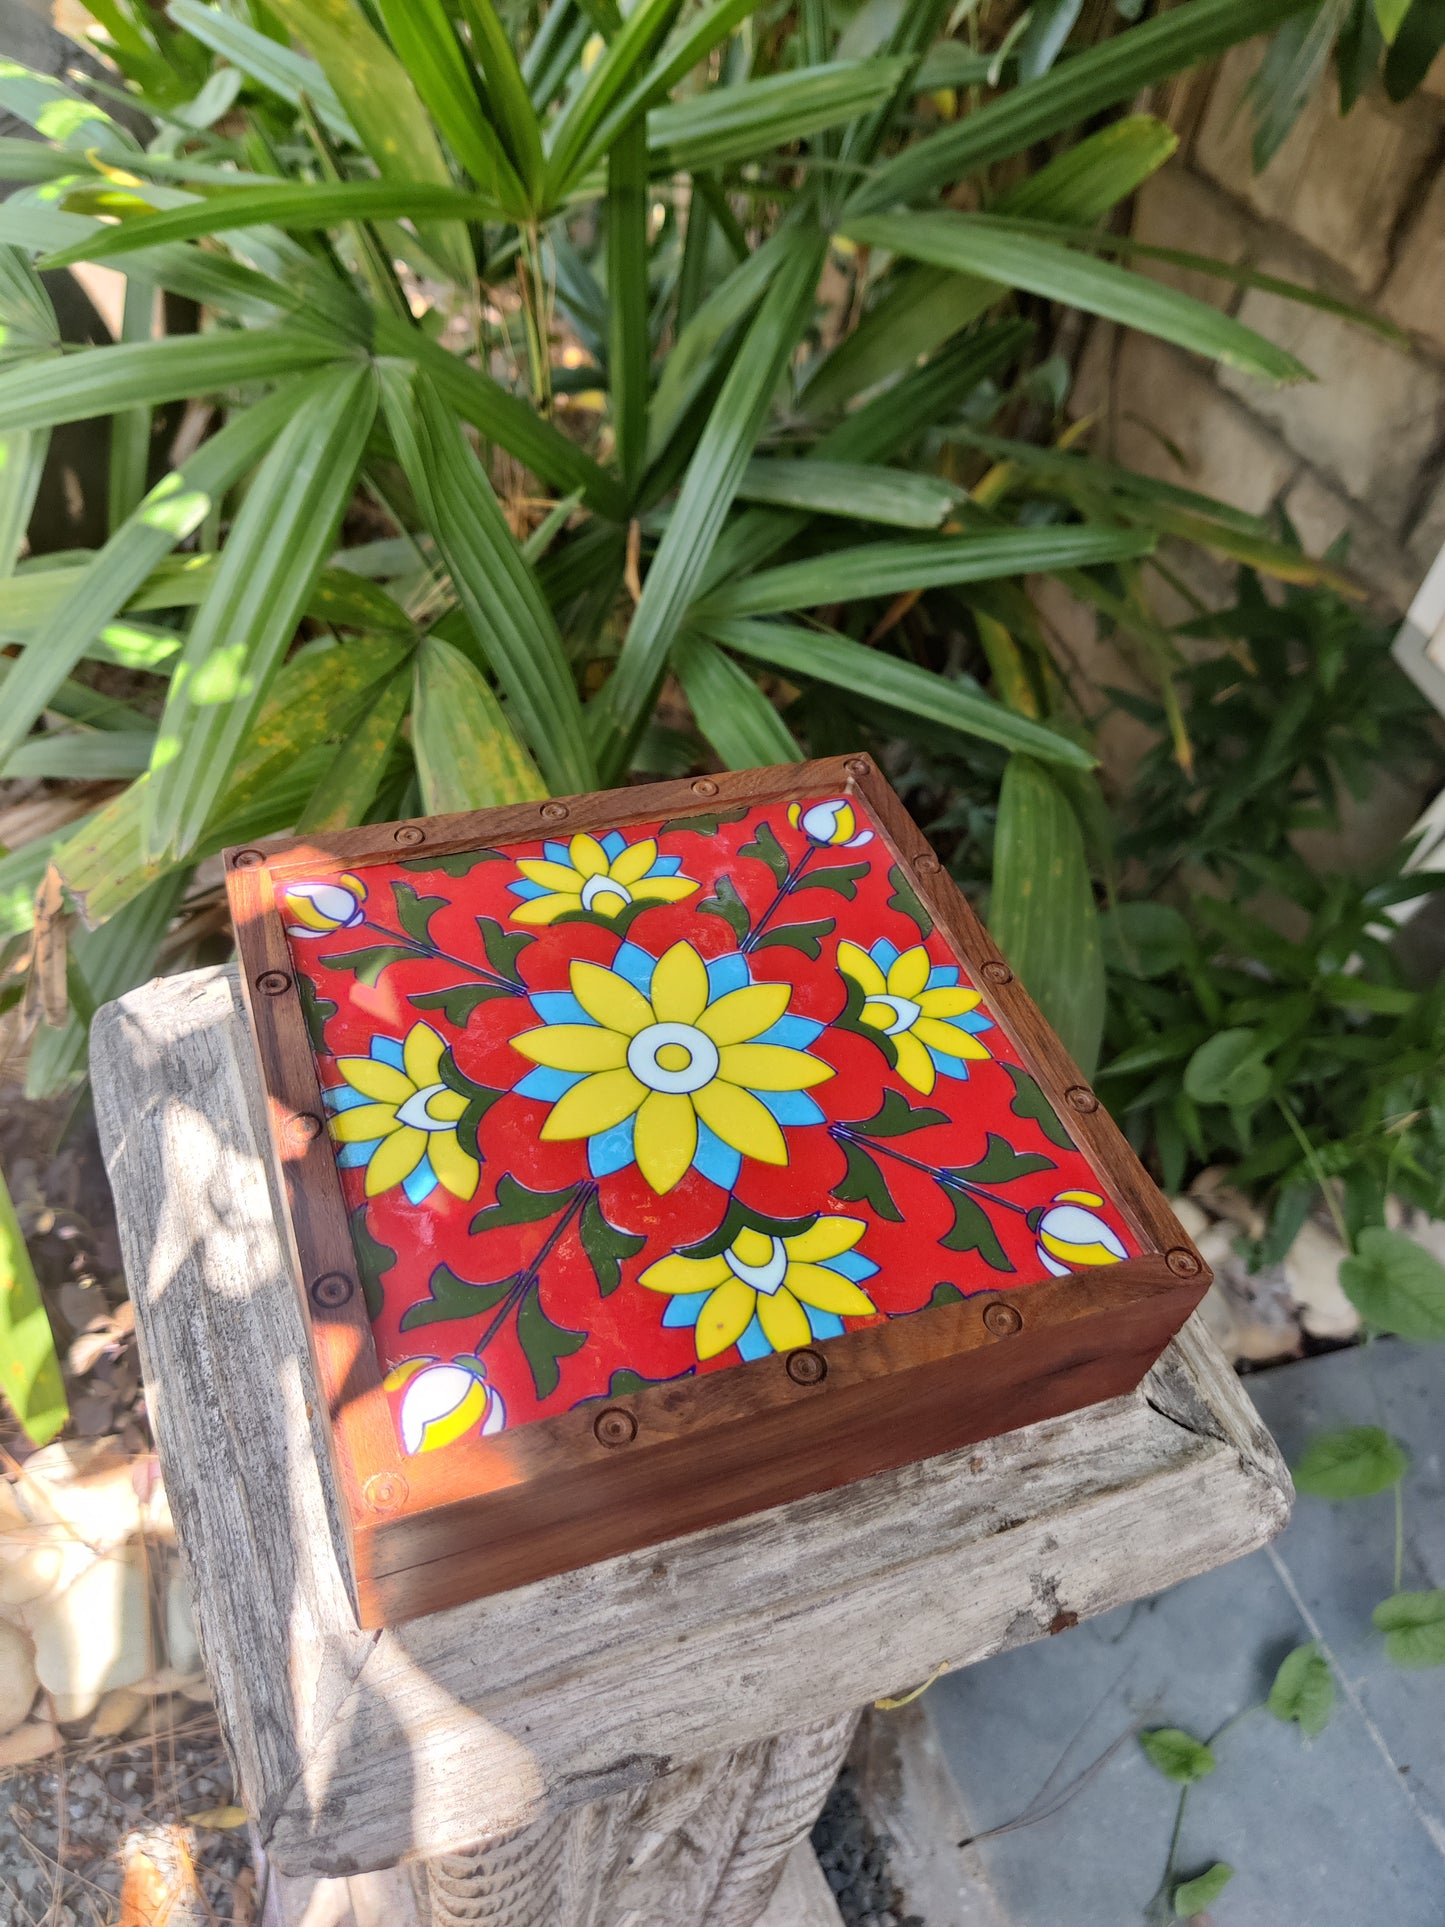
{"x": 417, "y": 1111}
{"x": 672, "y": 1057}
{"x": 905, "y": 1012}
{"x": 604, "y": 886}
{"x": 765, "y": 1277}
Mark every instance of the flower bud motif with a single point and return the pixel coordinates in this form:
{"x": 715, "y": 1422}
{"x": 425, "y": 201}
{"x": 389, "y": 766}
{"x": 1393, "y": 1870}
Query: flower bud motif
{"x": 320, "y": 909}
{"x": 830, "y": 826}
{"x": 1071, "y": 1236}
{"x": 442, "y": 1400}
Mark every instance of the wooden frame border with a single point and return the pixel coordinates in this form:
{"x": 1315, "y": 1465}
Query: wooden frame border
{"x": 489, "y": 1514}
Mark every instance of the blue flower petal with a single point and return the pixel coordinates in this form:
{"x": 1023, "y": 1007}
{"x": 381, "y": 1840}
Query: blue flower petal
{"x": 666, "y": 866}
{"x": 557, "y": 853}
{"x": 526, "y": 889}
{"x": 422, "y": 1182}
{"x": 753, "y": 1343}
{"x": 388, "y": 1050}
{"x": 942, "y": 977}
{"x": 973, "y": 1022}
{"x": 547, "y": 1084}
{"x": 823, "y": 1324}
{"x": 611, "y": 1150}
{"x": 884, "y": 954}
{"x": 790, "y": 1107}
{"x": 716, "y": 1160}
{"x": 559, "y": 1007}
{"x": 342, "y": 1098}
{"x": 350, "y": 1156}
{"x": 726, "y": 974}
{"x": 851, "y": 1264}
{"x": 614, "y": 843}
{"x": 635, "y": 964}
{"x": 948, "y": 1066}
{"x": 794, "y": 1033}
{"x": 685, "y": 1308}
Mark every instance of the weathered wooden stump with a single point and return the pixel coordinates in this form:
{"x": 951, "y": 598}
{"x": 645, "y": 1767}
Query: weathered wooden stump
{"x": 641, "y": 1742}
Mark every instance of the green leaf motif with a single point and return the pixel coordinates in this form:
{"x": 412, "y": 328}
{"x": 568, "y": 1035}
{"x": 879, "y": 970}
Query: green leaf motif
{"x": 807, "y": 937}
{"x": 517, "y": 1204}
{"x": 765, "y": 848}
{"x": 1193, "y": 1896}
{"x": 317, "y": 1010}
{"x": 367, "y": 964}
{"x": 895, "y": 1117}
{"x": 944, "y": 1294}
{"x": 459, "y": 1004}
{"x": 1177, "y": 1754}
{"x": 842, "y": 877}
{"x": 863, "y": 1182}
{"x": 415, "y": 912}
{"x": 606, "y": 1246}
{"x": 1354, "y": 1463}
{"x": 503, "y": 948}
{"x": 1304, "y": 1690}
{"x": 972, "y": 1231}
{"x": 1001, "y": 1163}
{"x": 1029, "y": 1102}
{"x": 460, "y": 865}
{"x": 544, "y": 1343}
{"x": 1396, "y": 1285}
{"x": 372, "y": 1259}
{"x": 727, "y": 904}
{"x": 1414, "y": 1627}
{"x": 453, "y": 1297}
{"x": 707, "y": 825}
{"x": 905, "y": 901}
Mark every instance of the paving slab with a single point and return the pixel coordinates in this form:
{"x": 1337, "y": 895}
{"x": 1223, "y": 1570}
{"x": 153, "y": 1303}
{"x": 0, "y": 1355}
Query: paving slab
{"x": 1341, "y": 1831}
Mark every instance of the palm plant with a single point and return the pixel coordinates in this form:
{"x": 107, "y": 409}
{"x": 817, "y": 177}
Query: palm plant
{"x": 563, "y": 389}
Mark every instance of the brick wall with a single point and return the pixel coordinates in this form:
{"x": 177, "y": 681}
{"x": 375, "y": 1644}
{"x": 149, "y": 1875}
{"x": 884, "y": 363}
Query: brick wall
{"x": 1355, "y": 207}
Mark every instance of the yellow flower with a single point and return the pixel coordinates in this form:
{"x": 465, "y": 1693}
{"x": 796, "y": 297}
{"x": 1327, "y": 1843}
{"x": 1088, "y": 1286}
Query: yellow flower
{"x": 1070, "y": 1236}
{"x": 318, "y": 909}
{"x": 603, "y": 877}
{"x": 830, "y": 826}
{"x": 921, "y": 1006}
{"x": 672, "y": 1062}
{"x": 395, "y": 1115}
{"x": 442, "y": 1401}
{"x": 767, "y": 1293}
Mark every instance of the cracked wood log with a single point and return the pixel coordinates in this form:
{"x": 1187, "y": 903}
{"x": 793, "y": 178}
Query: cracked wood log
{"x": 569, "y": 1725}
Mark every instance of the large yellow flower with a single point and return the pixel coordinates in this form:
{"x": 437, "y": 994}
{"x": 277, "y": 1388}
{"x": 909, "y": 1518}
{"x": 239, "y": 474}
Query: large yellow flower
{"x": 673, "y": 1062}
{"x": 768, "y": 1293}
{"x": 601, "y": 876}
{"x": 396, "y": 1116}
{"x": 921, "y": 1006}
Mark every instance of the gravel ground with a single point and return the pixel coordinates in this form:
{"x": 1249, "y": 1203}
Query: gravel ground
{"x": 855, "y": 1861}
{"x": 71, "y": 1827}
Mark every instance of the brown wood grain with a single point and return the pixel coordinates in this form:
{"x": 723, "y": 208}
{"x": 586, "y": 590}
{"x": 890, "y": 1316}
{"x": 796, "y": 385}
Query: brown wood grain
{"x": 490, "y": 1514}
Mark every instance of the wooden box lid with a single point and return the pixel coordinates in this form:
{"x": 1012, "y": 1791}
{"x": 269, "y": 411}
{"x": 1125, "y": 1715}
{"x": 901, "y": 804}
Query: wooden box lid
{"x": 657, "y": 1156}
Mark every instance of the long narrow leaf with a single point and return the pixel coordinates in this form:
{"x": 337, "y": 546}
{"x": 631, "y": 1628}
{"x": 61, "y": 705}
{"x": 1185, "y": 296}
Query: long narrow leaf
{"x": 81, "y": 755}
{"x": 713, "y": 23}
{"x": 890, "y": 568}
{"x": 872, "y": 676}
{"x": 731, "y": 711}
{"x": 1072, "y": 93}
{"x": 467, "y": 757}
{"x": 382, "y": 105}
{"x": 302, "y": 205}
{"x": 94, "y": 381}
{"x": 745, "y": 122}
{"x": 507, "y": 92}
{"x": 29, "y": 1369}
{"x": 175, "y": 507}
{"x": 345, "y": 793}
{"x": 499, "y": 593}
{"x": 629, "y": 346}
{"x": 859, "y": 490}
{"x": 282, "y": 535}
{"x": 707, "y": 493}
{"x": 976, "y": 244}
{"x": 283, "y": 72}
{"x": 1042, "y": 913}
{"x": 640, "y": 33}
{"x": 423, "y": 36}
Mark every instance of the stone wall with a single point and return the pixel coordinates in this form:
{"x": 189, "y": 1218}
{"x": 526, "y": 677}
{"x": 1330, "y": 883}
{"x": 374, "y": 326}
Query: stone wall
{"x": 1356, "y": 208}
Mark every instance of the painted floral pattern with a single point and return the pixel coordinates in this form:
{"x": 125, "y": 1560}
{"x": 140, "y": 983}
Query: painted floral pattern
{"x": 615, "y": 1109}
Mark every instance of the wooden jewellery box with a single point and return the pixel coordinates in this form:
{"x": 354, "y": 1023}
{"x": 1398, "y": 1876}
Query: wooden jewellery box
{"x": 656, "y": 1157}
